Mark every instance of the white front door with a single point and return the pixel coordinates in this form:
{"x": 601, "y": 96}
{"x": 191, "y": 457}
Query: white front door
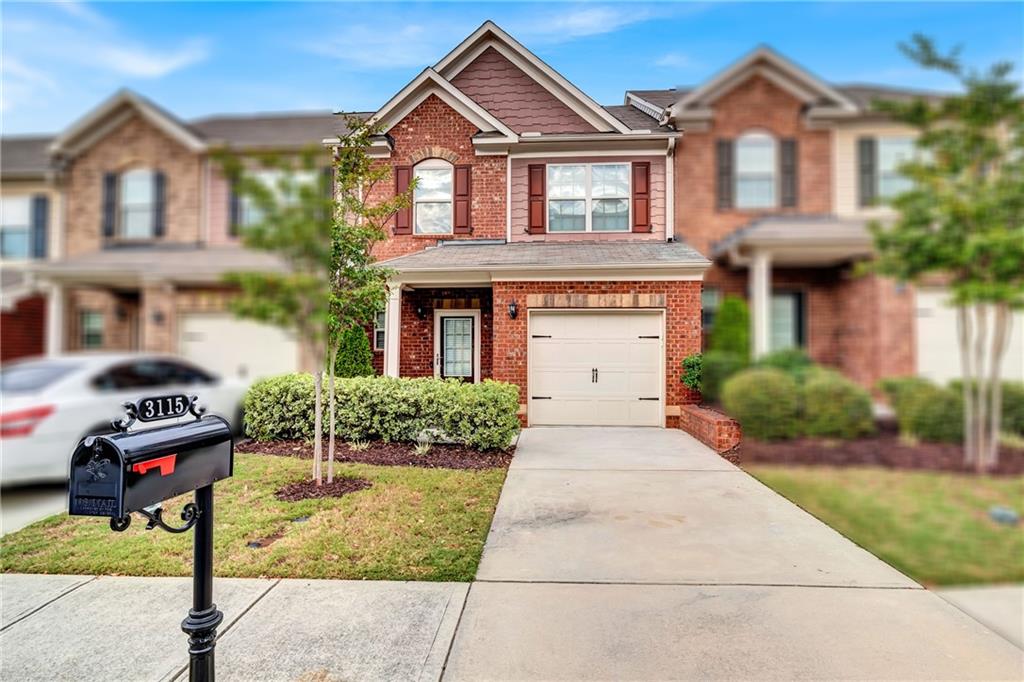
{"x": 596, "y": 368}
{"x": 236, "y": 348}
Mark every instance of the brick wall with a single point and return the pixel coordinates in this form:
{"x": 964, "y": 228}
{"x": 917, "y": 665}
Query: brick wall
{"x": 23, "y": 329}
{"x": 435, "y": 128}
{"x": 120, "y": 316}
{"x": 760, "y": 105}
{"x": 417, "y": 342}
{"x": 682, "y": 301}
{"x": 133, "y": 144}
{"x": 716, "y": 430}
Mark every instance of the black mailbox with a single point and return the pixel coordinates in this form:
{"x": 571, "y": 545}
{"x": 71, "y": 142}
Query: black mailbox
{"x": 125, "y": 472}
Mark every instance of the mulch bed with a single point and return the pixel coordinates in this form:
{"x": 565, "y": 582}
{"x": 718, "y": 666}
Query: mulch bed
{"x": 885, "y": 449}
{"x": 309, "y": 490}
{"x": 388, "y": 454}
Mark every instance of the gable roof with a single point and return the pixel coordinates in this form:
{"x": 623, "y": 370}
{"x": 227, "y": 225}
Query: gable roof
{"x": 764, "y": 61}
{"x": 283, "y": 130}
{"x": 114, "y": 111}
{"x": 490, "y": 35}
{"x": 429, "y": 82}
{"x": 25, "y": 157}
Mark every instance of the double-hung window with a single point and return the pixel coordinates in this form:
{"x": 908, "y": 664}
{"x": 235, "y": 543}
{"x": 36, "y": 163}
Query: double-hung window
{"x": 137, "y": 205}
{"x": 588, "y": 197}
{"x": 378, "y": 331}
{"x": 755, "y": 171}
{"x": 90, "y": 324}
{"x": 283, "y": 189}
{"x": 432, "y": 198}
{"x": 15, "y": 226}
{"x": 892, "y": 153}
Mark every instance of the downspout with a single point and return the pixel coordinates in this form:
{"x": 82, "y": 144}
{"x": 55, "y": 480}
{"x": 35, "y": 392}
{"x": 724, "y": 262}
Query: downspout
{"x": 670, "y": 191}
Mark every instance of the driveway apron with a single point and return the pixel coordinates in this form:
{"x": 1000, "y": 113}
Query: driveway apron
{"x": 627, "y": 553}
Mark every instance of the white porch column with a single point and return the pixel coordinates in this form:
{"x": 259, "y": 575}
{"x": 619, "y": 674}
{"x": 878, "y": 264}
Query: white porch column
{"x": 760, "y": 302}
{"x": 55, "y": 319}
{"x": 392, "y": 330}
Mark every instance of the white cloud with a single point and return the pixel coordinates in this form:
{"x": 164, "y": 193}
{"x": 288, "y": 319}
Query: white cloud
{"x": 147, "y": 63}
{"x": 675, "y": 60}
{"x": 367, "y": 47}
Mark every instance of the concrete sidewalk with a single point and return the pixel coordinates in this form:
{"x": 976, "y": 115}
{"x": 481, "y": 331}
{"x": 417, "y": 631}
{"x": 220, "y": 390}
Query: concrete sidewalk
{"x": 128, "y": 629}
{"x": 640, "y": 554}
{"x": 998, "y": 607}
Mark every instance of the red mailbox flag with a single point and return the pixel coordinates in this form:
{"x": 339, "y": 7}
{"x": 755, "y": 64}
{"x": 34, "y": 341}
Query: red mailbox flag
{"x": 164, "y": 464}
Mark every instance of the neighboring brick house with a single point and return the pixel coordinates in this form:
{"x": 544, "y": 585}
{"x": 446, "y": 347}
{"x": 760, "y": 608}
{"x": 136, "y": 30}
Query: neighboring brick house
{"x": 538, "y": 249}
{"x": 777, "y": 175}
{"x": 148, "y": 229}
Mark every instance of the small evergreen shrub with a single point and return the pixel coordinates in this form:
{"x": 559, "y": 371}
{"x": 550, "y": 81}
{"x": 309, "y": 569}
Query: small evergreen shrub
{"x": 931, "y": 413}
{"x": 764, "y": 401}
{"x": 693, "y": 371}
{"x": 793, "y": 361}
{"x": 898, "y": 389}
{"x": 731, "y": 330}
{"x": 1013, "y": 405}
{"x": 716, "y": 367}
{"x": 835, "y": 407}
{"x": 484, "y": 416}
{"x": 355, "y": 359}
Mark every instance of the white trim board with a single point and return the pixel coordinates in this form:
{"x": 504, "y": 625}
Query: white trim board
{"x": 439, "y": 315}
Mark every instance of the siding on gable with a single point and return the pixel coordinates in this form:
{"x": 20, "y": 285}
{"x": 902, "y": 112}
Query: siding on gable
{"x": 520, "y": 199}
{"x": 523, "y": 104}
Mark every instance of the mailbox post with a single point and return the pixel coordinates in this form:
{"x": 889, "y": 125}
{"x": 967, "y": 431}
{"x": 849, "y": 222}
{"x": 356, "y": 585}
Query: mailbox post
{"x": 127, "y": 472}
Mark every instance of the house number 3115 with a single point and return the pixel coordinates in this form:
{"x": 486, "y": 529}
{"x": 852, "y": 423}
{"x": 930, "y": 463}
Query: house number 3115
{"x": 162, "y": 407}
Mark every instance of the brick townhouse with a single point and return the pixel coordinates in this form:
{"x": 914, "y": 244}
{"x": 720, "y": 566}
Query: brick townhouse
{"x": 571, "y": 248}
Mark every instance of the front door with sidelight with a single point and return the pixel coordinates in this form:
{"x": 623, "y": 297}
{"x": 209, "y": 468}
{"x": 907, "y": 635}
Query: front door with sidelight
{"x": 457, "y": 344}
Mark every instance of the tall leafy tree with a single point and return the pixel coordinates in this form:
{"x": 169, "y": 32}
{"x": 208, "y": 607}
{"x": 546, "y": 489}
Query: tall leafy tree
{"x": 963, "y": 222}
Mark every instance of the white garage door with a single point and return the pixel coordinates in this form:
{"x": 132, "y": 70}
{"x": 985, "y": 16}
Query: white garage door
{"x": 596, "y": 368}
{"x": 938, "y": 353}
{"x": 236, "y": 348}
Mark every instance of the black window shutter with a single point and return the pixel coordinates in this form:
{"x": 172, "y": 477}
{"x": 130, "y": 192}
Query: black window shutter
{"x": 40, "y": 223}
{"x": 234, "y": 209}
{"x": 109, "y": 204}
{"x": 159, "y": 204}
{"x": 867, "y": 169}
{"x": 725, "y": 173}
{"x": 788, "y": 168}
{"x": 327, "y": 185}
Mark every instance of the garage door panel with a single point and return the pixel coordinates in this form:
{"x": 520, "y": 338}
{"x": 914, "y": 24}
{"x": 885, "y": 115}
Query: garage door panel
{"x": 234, "y": 347}
{"x": 625, "y": 347}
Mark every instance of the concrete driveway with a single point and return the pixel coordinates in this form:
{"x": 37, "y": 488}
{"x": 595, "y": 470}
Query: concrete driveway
{"x": 640, "y": 554}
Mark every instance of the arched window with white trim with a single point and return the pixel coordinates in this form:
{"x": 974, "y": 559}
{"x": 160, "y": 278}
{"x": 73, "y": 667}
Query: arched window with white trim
{"x": 756, "y": 171}
{"x": 432, "y": 198}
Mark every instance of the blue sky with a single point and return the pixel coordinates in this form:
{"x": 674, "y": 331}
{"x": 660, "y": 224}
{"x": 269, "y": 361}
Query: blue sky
{"x": 61, "y": 58}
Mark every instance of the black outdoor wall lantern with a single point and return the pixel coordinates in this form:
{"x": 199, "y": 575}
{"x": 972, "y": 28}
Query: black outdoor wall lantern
{"x": 118, "y": 474}
{"x": 513, "y": 310}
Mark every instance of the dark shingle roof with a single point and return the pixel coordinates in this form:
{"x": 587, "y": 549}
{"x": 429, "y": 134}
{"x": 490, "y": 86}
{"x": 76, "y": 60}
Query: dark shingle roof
{"x": 284, "y": 130}
{"x": 661, "y": 98}
{"x": 635, "y": 119}
{"x": 470, "y": 256}
{"x": 25, "y": 156}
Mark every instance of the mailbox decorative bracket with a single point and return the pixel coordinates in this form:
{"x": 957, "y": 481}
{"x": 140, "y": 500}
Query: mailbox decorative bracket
{"x": 132, "y": 413}
{"x": 189, "y": 514}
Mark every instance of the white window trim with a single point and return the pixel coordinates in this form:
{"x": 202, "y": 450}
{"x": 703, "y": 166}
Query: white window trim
{"x": 588, "y": 199}
{"x": 122, "y": 206}
{"x": 6, "y": 226}
{"x": 775, "y": 176}
{"x": 434, "y": 164}
{"x": 455, "y": 312}
{"x": 879, "y": 141}
{"x": 382, "y": 316}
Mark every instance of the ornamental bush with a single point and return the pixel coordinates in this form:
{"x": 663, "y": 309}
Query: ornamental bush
{"x": 716, "y": 367}
{"x": 484, "y": 416}
{"x": 693, "y": 371}
{"x": 355, "y": 359}
{"x": 835, "y": 407}
{"x": 731, "y": 330}
{"x": 932, "y": 413}
{"x": 764, "y": 401}
{"x": 793, "y": 361}
{"x": 898, "y": 389}
{"x": 1013, "y": 405}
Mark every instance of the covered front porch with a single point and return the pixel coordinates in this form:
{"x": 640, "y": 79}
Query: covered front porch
{"x": 800, "y": 278}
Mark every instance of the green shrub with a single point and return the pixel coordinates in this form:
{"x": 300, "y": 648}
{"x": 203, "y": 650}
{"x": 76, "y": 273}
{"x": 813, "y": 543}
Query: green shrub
{"x": 483, "y": 416}
{"x": 280, "y": 407}
{"x": 764, "y": 401}
{"x": 793, "y": 361}
{"x": 898, "y": 389}
{"x": 355, "y": 359}
{"x": 731, "y": 330}
{"x": 835, "y": 407}
{"x": 716, "y": 367}
{"x": 931, "y": 413}
{"x": 1013, "y": 405}
{"x": 693, "y": 371}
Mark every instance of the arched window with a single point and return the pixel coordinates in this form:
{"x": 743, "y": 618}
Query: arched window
{"x": 432, "y": 198}
{"x": 137, "y": 198}
{"x": 756, "y": 168}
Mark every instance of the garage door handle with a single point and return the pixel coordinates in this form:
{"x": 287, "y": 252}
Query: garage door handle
{"x": 655, "y": 336}
{"x": 648, "y": 398}
{"x": 540, "y": 397}
{"x": 540, "y": 336}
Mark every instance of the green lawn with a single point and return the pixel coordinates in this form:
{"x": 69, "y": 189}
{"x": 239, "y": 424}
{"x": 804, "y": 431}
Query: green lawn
{"x": 413, "y": 524}
{"x": 932, "y": 526}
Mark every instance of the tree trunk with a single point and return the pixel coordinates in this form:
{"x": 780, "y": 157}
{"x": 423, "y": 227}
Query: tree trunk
{"x": 330, "y": 398}
{"x": 318, "y": 382}
{"x": 1002, "y": 325}
{"x": 963, "y": 324}
{"x": 981, "y": 388}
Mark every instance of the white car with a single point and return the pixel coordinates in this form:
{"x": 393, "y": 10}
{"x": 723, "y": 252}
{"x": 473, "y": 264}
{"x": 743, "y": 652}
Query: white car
{"x": 48, "y": 404}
